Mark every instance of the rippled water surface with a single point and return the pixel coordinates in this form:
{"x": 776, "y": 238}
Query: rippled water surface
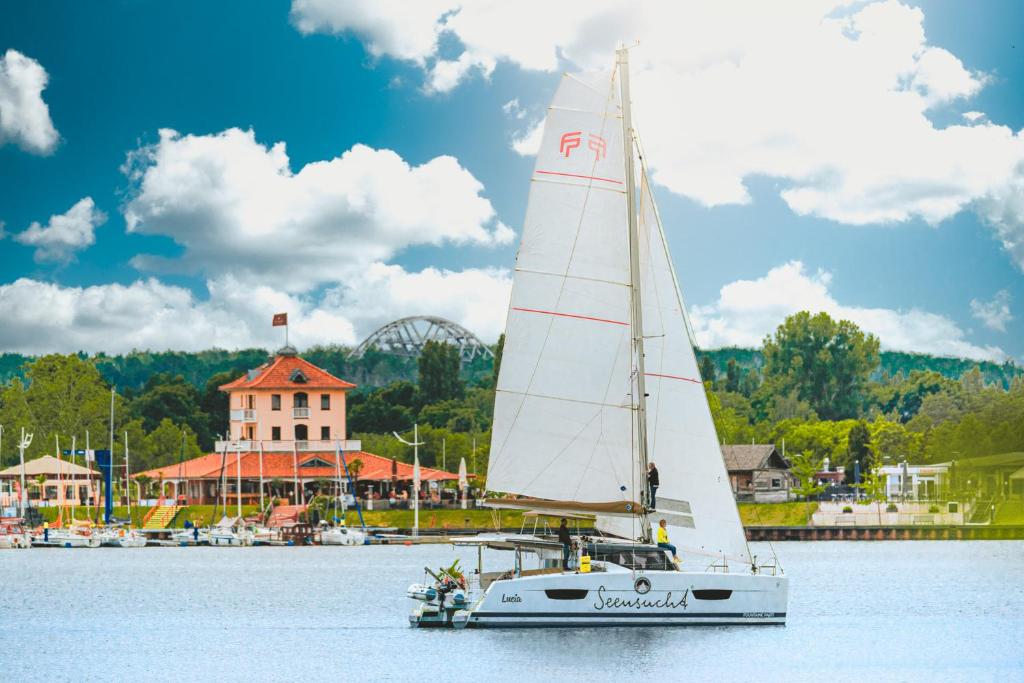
{"x": 927, "y": 611}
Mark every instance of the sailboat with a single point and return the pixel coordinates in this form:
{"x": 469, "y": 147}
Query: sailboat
{"x": 598, "y": 379}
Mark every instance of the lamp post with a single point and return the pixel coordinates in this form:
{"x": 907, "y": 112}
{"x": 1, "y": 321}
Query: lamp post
{"x": 415, "y": 443}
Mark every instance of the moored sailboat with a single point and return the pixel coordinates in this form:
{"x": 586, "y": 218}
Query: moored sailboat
{"x": 599, "y": 379}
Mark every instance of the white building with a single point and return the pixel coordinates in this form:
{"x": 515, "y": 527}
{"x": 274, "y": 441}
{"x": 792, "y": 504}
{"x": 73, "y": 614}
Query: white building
{"x": 915, "y": 482}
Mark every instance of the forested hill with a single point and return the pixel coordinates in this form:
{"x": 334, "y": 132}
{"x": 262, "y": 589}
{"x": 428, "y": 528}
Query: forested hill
{"x": 132, "y": 370}
{"x": 891, "y": 363}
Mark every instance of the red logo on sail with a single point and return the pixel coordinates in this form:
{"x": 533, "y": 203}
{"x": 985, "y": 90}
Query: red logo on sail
{"x": 573, "y": 139}
{"x": 569, "y": 142}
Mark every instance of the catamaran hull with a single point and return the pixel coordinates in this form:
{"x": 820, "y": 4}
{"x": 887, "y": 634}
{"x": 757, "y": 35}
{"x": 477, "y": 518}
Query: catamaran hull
{"x": 652, "y": 598}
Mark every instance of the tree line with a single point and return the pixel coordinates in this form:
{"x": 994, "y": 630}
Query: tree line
{"x": 817, "y": 385}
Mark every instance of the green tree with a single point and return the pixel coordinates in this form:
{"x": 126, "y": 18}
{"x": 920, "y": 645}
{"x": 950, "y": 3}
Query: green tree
{"x": 171, "y": 397}
{"x": 732, "y": 376}
{"x": 165, "y": 446}
{"x": 805, "y": 467}
{"x": 439, "y": 366}
{"x": 498, "y": 350}
{"x": 707, "y": 368}
{"x": 858, "y": 449}
{"x": 826, "y": 363}
{"x": 214, "y": 406}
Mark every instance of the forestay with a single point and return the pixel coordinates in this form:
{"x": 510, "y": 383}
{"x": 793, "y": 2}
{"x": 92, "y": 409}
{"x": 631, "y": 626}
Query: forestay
{"x": 695, "y": 497}
{"x": 563, "y": 417}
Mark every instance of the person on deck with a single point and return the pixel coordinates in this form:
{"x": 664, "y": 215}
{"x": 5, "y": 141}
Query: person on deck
{"x": 652, "y": 483}
{"x": 663, "y": 540}
{"x": 566, "y": 540}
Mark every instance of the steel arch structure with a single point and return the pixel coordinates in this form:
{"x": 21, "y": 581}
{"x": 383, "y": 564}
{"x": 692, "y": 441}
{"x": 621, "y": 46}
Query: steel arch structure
{"x": 407, "y": 336}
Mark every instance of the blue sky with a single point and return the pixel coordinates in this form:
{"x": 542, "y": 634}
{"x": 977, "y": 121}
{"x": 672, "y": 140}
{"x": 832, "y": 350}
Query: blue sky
{"x": 919, "y": 252}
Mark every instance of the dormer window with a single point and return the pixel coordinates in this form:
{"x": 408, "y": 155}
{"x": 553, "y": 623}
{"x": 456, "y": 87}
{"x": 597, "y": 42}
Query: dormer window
{"x": 298, "y": 377}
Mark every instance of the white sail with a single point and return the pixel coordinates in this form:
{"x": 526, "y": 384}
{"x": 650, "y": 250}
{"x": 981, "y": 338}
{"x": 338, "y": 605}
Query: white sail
{"x": 695, "y": 497}
{"x": 563, "y": 416}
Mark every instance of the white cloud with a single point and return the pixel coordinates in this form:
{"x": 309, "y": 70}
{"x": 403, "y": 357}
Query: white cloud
{"x": 512, "y": 108}
{"x": 65, "y": 234}
{"x": 528, "y": 143}
{"x": 748, "y": 310}
{"x": 833, "y": 98}
{"x": 42, "y": 317}
{"x": 24, "y": 116}
{"x": 994, "y": 314}
{"x": 236, "y": 206}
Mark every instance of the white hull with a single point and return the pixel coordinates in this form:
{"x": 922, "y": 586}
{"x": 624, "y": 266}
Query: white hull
{"x": 231, "y": 538}
{"x": 338, "y": 536}
{"x": 620, "y": 597}
{"x": 9, "y": 541}
{"x": 188, "y": 537}
{"x": 63, "y": 539}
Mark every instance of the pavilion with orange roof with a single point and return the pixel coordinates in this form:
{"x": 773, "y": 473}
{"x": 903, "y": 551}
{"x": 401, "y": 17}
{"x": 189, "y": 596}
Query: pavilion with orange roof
{"x": 276, "y": 410}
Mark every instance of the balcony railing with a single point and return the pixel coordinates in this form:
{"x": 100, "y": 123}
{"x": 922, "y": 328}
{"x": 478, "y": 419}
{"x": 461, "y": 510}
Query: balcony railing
{"x": 243, "y": 415}
{"x": 300, "y": 413}
{"x": 320, "y": 446}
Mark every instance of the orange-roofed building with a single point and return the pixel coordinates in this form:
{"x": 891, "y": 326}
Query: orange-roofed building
{"x": 287, "y": 423}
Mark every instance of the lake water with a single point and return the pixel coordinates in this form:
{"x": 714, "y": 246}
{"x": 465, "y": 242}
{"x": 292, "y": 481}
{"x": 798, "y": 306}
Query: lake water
{"x": 913, "y": 611}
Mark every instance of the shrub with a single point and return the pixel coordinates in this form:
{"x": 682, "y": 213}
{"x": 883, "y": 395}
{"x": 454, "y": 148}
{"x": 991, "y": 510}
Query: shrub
{"x": 891, "y": 507}
{"x": 934, "y": 509}
{"x": 847, "y": 509}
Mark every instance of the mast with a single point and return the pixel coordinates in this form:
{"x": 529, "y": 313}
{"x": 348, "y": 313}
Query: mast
{"x": 636, "y": 303}
{"x": 127, "y": 479}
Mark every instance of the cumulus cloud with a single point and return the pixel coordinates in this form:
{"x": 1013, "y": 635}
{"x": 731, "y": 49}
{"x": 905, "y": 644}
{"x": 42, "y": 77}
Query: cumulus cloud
{"x": 65, "y": 234}
{"x": 832, "y": 98}
{"x": 994, "y": 314}
{"x": 528, "y": 142}
{"x": 234, "y": 203}
{"x": 748, "y": 310}
{"x": 24, "y": 116}
{"x": 43, "y": 317}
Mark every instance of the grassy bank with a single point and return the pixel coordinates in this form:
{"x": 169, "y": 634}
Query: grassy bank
{"x": 763, "y": 514}
{"x": 776, "y": 514}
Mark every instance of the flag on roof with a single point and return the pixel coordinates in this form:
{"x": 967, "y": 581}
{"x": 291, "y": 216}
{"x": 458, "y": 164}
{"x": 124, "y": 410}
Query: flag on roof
{"x": 280, "y": 319}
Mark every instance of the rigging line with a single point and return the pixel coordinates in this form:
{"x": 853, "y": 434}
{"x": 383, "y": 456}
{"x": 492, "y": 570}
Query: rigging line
{"x": 564, "y": 448}
{"x": 583, "y": 210}
{"x": 567, "y": 183}
{"x": 570, "y": 315}
{"x": 671, "y": 266}
{"x": 612, "y": 468}
{"x": 578, "y": 175}
{"x": 567, "y": 400}
{"x": 573, "y": 277}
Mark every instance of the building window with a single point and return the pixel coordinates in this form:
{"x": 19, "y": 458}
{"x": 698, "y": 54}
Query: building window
{"x": 325, "y": 401}
{"x": 275, "y": 433}
{"x": 301, "y": 400}
{"x": 301, "y": 433}
{"x": 776, "y": 483}
{"x": 325, "y": 433}
{"x": 275, "y": 401}
{"x": 250, "y": 402}
{"x": 249, "y": 432}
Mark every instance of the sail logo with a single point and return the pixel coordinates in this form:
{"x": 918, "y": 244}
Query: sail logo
{"x": 574, "y": 139}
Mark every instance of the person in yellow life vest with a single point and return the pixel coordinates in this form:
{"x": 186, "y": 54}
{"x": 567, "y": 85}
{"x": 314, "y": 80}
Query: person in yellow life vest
{"x": 663, "y": 540}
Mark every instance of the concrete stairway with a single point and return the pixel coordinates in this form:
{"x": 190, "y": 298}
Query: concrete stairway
{"x": 160, "y": 517}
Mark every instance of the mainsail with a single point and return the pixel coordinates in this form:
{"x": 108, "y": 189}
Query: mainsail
{"x": 695, "y": 497}
{"x": 564, "y": 415}
{"x": 566, "y": 432}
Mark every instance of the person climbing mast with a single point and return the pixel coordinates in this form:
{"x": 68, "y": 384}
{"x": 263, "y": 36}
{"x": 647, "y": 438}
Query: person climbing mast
{"x": 652, "y": 485}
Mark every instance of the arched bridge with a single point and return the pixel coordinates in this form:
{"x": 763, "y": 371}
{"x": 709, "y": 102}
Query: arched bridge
{"x": 406, "y": 337}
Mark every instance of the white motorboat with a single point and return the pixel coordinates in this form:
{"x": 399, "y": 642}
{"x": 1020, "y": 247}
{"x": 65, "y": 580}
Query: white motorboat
{"x": 598, "y": 379}
{"x": 340, "y": 535}
{"x": 230, "y": 531}
{"x": 14, "y": 535}
{"x": 191, "y": 536}
{"x": 66, "y": 538}
{"x": 120, "y": 537}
